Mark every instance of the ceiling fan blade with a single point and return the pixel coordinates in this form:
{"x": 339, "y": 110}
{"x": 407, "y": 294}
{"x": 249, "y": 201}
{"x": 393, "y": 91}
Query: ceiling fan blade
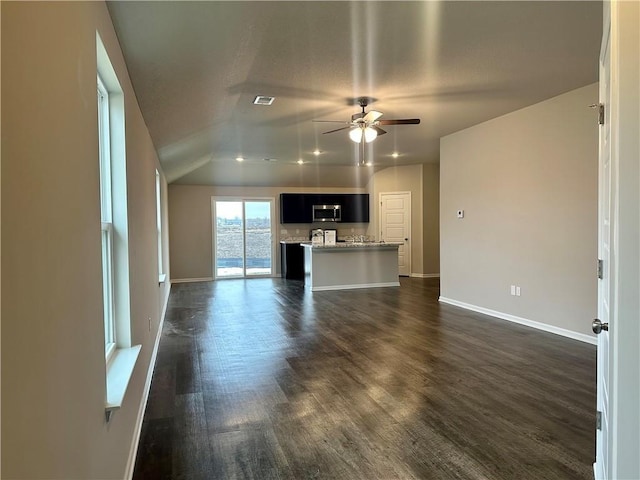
{"x": 329, "y": 121}
{"x": 372, "y": 116}
{"x": 379, "y": 130}
{"x": 401, "y": 121}
{"x": 337, "y": 129}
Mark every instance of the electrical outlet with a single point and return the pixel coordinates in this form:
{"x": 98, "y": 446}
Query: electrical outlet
{"x": 517, "y": 291}
{"x": 460, "y": 213}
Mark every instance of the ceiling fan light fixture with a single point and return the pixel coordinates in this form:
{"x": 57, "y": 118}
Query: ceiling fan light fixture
{"x": 355, "y": 134}
{"x": 370, "y": 134}
{"x": 367, "y": 124}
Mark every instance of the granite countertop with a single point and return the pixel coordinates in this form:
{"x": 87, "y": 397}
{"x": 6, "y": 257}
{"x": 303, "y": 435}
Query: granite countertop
{"x": 352, "y": 245}
{"x": 294, "y": 240}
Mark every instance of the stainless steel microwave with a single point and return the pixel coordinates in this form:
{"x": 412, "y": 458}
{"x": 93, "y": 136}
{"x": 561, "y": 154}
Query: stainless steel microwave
{"x": 327, "y": 213}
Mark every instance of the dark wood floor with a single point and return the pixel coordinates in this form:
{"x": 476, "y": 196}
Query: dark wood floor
{"x": 260, "y": 379}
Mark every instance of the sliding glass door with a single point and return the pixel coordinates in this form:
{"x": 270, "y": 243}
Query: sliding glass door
{"x": 243, "y": 245}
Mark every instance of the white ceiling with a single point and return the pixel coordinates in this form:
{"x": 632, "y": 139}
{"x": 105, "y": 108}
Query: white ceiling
{"x": 197, "y": 66}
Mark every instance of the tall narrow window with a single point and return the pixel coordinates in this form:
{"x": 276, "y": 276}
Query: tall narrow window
{"x": 120, "y": 354}
{"x": 161, "y": 277}
{"x": 106, "y": 217}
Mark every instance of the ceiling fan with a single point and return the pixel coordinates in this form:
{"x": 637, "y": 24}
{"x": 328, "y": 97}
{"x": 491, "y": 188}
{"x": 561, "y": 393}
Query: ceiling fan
{"x": 367, "y": 124}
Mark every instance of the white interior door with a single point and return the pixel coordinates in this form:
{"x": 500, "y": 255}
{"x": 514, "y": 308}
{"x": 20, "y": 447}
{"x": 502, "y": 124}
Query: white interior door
{"x": 618, "y": 441}
{"x": 395, "y": 226}
{"x": 606, "y": 277}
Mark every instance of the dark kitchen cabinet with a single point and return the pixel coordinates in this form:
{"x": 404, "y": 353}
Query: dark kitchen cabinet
{"x": 295, "y": 208}
{"x": 355, "y": 208}
{"x": 292, "y": 261}
{"x": 298, "y": 207}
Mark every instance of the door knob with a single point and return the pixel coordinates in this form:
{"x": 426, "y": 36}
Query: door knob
{"x": 597, "y": 326}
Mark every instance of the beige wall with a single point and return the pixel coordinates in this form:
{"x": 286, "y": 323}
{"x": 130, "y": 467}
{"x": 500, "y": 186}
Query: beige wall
{"x": 431, "y": 218}
{"x": 527, "y": 182}
{"x": 191, "y": 230}
{"x": 53, "y": 370}
{"x": 401, "y": 179}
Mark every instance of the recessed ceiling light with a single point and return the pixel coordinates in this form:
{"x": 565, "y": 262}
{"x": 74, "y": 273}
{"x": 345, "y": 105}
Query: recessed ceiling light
{"x": 316, "y": 152}
{"x": 263, "y": 100}
{"x": 369, "y": 164}
{"x": 239, "y": 159}
{"x": 395, "y": 154}
{"x": 300, "y": 162}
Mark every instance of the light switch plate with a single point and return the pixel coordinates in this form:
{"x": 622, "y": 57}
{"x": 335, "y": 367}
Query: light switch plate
{"x": 460, "y": 213}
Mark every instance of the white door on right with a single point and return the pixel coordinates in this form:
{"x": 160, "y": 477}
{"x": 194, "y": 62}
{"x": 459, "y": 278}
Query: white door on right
{"x": 395, "y": 226}
{"x": 606, "y": 219}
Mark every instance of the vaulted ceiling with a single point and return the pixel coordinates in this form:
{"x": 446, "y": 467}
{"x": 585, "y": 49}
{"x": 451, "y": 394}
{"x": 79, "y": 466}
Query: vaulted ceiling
{"x": 197, "y": 66}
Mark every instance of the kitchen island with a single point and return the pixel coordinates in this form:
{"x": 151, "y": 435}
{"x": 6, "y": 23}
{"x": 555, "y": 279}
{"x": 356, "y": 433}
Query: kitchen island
{"x": 347, "y": 265}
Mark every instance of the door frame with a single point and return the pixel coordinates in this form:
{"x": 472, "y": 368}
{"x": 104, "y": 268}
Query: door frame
{"x": 409, "y": 244}
{"x": 240, "y": 198}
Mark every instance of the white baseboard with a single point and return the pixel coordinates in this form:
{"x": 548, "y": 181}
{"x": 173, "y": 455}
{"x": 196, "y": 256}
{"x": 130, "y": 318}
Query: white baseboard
{"x": 191, "y": 280}
{"x": 425, "y": 275}
{"x": 131, "y": 462}
{"x": 522, "y": 321}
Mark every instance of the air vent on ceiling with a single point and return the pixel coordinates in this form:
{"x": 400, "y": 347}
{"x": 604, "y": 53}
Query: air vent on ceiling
{"x": 263, "y": 100}
{"x": 270, "y": 159}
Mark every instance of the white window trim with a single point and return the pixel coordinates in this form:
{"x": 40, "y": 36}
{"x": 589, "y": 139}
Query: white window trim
{"x": 109, "y": 307}
{"x": 106, "y": 200}
{"x": 120, "y": 357}
{"x": 119, "y": 372}
{"x": 161, "y": 275}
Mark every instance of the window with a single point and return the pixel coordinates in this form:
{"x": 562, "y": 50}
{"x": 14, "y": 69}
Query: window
{"x": 106, "y": 209}
{"x": 242, "y": 236}
{"x": 120, "y": 355}
{"x": 161, "y": 275}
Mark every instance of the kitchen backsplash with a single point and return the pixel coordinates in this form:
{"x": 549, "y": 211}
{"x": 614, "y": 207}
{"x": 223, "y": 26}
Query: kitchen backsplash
{"x": 300, "y": 233}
